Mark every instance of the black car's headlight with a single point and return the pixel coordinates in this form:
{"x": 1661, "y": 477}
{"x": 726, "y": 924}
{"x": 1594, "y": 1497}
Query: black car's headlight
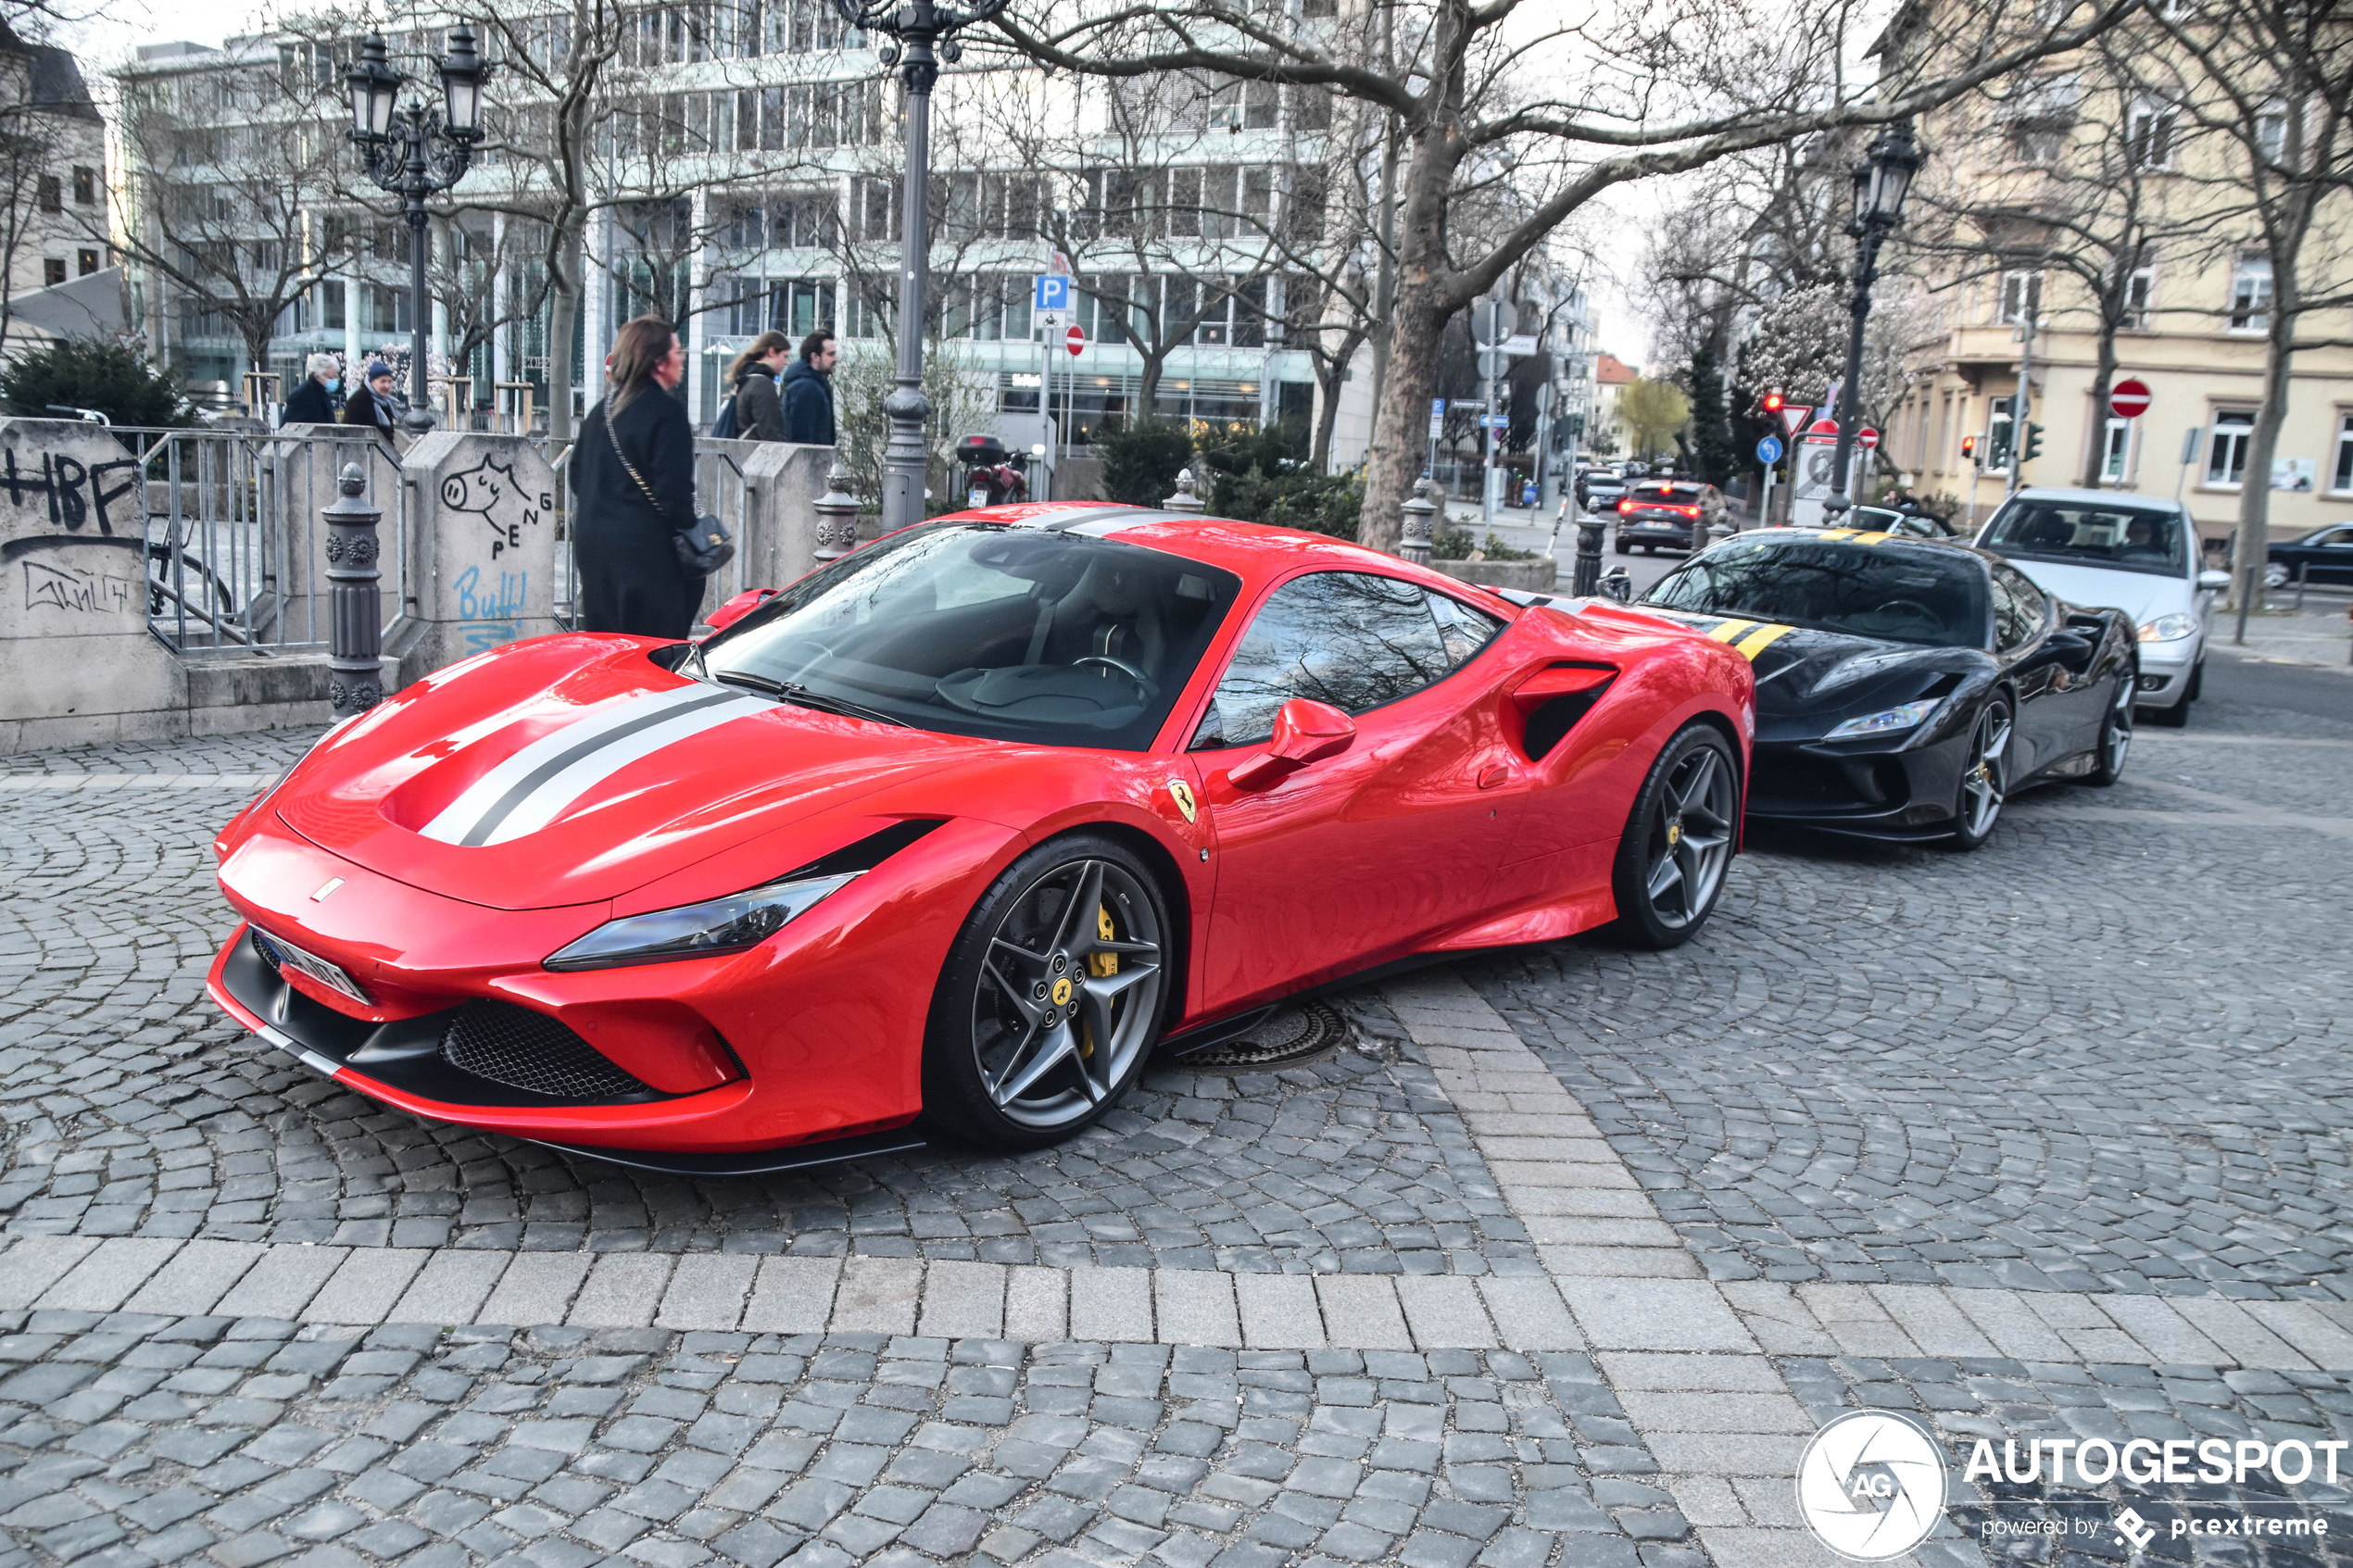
{"x": 1893, "y": 721}
{"x": 739, "y": 921}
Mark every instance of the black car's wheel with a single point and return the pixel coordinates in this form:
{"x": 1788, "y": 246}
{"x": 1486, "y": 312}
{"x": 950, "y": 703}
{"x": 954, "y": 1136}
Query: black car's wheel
{"x": 1624, "y": 548}
{"x": 1051, "y": 998}
{"x": 1679, "y": 840}
{"x": 1986, "y": 777}
{"x": 2116, "y": 730}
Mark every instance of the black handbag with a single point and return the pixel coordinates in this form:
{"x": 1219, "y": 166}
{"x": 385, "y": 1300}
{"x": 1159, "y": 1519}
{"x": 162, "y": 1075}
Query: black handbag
{"x": 703, "y": 549}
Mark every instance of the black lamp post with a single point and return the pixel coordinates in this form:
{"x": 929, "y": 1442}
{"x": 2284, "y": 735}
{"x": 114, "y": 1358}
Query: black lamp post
{"x": 414, "y": 153}
{"x": 917, "y": 25}
{"x": 1880, "y": 181}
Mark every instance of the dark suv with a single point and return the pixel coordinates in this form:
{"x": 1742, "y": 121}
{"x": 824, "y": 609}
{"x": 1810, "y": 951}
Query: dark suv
{"x": 1662, "y": 512}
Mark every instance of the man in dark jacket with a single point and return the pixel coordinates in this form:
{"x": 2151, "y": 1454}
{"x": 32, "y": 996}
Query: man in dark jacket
{"x": 809, "y": 391}
{"x": 372, "y": 407}
{"x": 313, "y": 402}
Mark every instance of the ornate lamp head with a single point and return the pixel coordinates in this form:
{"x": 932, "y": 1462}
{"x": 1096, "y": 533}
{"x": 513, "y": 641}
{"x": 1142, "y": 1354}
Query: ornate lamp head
{"x": 373, "y": 86}
{"x": 463, "y": 73}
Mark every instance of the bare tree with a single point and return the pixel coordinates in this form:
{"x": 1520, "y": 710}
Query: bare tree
{"x": 1667, "y": 88}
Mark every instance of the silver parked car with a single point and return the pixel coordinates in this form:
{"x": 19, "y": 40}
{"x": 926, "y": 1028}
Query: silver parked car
{"x": 2129, "y": 552}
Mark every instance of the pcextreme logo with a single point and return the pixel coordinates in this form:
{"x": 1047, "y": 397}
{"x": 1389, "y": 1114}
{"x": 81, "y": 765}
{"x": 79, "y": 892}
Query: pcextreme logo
{"x": 1871, "y": 1484}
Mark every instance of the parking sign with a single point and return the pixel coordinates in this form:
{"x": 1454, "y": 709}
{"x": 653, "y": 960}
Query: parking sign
{"x": 1053, "y": 292}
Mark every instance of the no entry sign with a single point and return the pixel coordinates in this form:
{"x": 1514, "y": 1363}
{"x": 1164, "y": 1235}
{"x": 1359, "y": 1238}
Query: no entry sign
{"x": 1075, "y": 340}
{"x": 2129, "y": 398}
{"x": 1868, "y": 437}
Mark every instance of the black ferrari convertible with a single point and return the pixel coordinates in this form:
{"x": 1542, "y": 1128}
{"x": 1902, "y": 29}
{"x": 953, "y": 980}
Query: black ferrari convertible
{"x": 1906, "y": 687}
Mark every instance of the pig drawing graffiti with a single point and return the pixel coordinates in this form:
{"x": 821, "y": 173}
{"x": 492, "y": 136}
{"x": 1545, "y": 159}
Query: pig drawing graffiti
{"x": 490, "y": 491}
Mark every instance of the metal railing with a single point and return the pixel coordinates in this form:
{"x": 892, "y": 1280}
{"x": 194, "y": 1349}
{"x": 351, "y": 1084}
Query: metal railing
{"x": 231, "y": 536}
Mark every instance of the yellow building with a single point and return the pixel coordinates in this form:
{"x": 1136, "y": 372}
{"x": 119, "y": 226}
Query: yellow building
{"x": 2032, "y": 193}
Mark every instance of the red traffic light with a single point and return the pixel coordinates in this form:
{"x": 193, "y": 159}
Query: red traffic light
{"x": 1773, "y": 401}
{"x": 1969, "y": 447}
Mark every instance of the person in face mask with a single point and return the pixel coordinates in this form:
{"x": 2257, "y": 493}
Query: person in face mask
{"x": 313, "y": 402}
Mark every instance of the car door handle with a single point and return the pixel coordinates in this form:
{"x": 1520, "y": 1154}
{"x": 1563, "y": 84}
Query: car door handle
{"x": 1494, "y": 775}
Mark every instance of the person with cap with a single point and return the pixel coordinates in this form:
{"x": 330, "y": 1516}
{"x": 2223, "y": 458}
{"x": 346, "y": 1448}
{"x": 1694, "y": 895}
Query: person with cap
{"x": 372, "y": 407}
{"x": 313, "y": 402}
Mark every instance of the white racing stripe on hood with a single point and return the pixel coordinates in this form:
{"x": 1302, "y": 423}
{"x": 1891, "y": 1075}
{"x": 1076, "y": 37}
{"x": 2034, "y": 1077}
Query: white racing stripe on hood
{"x": 497, "y": 791}
{"x": 538, "y": 805}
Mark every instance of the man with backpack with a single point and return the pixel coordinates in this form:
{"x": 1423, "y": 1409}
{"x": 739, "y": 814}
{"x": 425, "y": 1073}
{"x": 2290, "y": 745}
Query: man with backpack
{"x": 754, "y": 411}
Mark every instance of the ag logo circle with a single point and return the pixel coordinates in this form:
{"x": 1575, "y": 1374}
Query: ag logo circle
{"x": 1871, "y": 1484}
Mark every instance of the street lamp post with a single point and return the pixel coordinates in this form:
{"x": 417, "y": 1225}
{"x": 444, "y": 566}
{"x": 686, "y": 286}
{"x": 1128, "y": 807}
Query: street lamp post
{"x": 924, "y": 38}
{"x": 1880, "y": 183}
{"x": 415, "y": 152}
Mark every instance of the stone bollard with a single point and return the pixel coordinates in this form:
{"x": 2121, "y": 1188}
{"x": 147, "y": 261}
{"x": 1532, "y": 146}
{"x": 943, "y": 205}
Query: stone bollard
{"x": 356, "y": 624}
{"x": 1184, "y": 500}
{"x": 1589, "y": 557}
{"x": 1421, "y": 513}
{"x": 836, "y": 517}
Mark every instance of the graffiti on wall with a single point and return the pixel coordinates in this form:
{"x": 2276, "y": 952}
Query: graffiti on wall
{"x": 73, "y": 493}
{"x": 491, "y": 494}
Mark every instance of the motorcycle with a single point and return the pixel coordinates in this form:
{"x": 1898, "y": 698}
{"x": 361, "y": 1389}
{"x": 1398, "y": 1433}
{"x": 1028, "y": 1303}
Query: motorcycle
{"x": 994, "y": 477}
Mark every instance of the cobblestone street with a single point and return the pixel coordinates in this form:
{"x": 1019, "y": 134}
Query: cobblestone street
{"x": 1558, "y": 1259}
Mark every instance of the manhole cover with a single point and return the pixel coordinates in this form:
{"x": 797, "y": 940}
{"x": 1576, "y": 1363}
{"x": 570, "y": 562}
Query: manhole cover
{"x": 1291, "y": 1033}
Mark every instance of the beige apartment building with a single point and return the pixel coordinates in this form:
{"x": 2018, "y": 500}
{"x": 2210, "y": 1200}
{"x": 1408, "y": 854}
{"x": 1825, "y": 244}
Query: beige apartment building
{"x": 2094, "y": 145}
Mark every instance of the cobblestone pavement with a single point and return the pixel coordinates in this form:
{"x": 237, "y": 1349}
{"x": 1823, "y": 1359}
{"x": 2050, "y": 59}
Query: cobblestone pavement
{"x": 2105, "y": 1053}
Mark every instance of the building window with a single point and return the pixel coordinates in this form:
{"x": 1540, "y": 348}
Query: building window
{"x": 53, "y": 272}
{"x": 2251, "y": 296}
{"x": 2270, "y": 131}
{"x": 331, "y": 305}
{"x": 87, "y": 262}
{"x": 2116, "y": 445}
{"x": 2140, "y": 289}
{"x": 2342, "y": 479}
{"x": 2153, "y": 135}
{"x": 2226, "y": 452}
{"x": 2021, "y": 296}
{"x": 85, "y": 186}
{"x": 52, "y": 194}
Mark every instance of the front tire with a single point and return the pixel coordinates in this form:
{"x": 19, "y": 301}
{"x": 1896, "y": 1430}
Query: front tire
{"x": 1679, "y": 840}
{"x": 1051, "y": 998}
{"x": 1986, "y": 783}
{"x": 2116, "y": 731}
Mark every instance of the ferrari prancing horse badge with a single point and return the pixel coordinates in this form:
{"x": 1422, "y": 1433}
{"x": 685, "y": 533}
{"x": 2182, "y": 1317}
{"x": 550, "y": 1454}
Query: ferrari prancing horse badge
{"x": 1182, "y": 793}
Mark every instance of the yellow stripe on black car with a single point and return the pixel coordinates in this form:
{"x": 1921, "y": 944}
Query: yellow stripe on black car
{"x": 1730, "y": 630}
{"x": 1757, "y": 642}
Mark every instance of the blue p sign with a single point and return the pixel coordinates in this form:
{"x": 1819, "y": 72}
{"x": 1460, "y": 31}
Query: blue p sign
{"x": 1053, "y": 291}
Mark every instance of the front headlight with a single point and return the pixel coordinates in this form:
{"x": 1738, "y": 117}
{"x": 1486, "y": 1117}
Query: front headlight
{"x": 2169, "y": 629}
{"x": 1910, "y": 716}
{"x": 722, "y": 925}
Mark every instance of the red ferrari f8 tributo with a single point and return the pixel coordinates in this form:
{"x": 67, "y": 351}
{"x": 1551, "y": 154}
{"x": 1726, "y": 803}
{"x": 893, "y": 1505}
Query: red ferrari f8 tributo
{"x": 967, "y": 825}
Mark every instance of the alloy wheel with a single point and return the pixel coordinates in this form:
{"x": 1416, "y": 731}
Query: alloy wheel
{"x": 1986, "y": 783}
{"x": 1068, "y": 992}
{"x": 2119, "y": 727}
{"x": 1690, "y": 842}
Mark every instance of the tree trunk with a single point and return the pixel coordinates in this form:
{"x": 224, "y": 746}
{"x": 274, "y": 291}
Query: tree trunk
{"x": 1148, "y": 380}
{"x": 563, "y": 312}
{"x": 2255, "y": 490}
{"x": 2103, "y": 379}
{"x": 1327, "y": 416}
{"x": 1400, "y": 436}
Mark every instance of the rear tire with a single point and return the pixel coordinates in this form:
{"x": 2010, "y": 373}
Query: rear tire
{"x": 2174, "y": 717}
{"x": 1678, "y": 847}
{"x": 1624, "y": 548}
{"x": 1052, "y": 998}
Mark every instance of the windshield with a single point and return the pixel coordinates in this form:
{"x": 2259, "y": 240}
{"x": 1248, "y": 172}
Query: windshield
{"x": 2091, "y": 533}
{"x": 978, "y": 628}
{"x": 1668, "y": 494}
{"x": 1907, "y": 595}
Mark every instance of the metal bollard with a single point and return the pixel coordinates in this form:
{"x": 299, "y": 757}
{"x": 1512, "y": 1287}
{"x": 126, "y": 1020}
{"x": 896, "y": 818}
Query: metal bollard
{"x": 356, "y": 631}
{"x": 1184, "y": 500}
{"x": 1589, "y": 557}
{"x": 836, "y": 517}
{"x": 1421, "y": 514}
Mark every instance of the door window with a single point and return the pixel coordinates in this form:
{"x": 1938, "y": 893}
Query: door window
{"x": 2018, "y": 609}
{"x": 1347, "y": 638}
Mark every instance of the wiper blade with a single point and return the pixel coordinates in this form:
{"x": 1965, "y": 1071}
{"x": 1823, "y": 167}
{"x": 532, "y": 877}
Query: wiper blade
{"x": 801, "y": 697}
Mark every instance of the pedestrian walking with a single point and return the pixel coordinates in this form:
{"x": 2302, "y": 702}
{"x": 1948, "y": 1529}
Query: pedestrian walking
{"x": 372, "y": 407}
{"x": 313, "y": 402}
{"x": 808, "y": 391}
{"x": 633, "y": 491}
{"x": 759, "y": 408}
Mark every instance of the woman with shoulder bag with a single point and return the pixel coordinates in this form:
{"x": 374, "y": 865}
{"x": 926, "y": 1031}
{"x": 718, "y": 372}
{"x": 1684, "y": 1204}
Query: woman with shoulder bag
{"x": 632, "y": 493}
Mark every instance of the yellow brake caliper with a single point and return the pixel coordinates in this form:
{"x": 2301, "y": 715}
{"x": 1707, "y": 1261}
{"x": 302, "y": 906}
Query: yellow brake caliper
{"x": 1102, "y": 966}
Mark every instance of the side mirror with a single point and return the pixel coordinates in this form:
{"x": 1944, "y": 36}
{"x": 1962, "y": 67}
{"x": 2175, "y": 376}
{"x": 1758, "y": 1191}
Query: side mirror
{"x": 743, "y": 604}
{"x": 1305, "y": 731}
{"x": 2214, "y": 582}
{"x": 1616, "y": 584}
{"x": 2070, "y": 649}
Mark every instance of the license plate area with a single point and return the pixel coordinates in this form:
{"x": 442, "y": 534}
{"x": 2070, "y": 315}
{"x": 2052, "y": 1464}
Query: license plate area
{"x": 328, "y": 974}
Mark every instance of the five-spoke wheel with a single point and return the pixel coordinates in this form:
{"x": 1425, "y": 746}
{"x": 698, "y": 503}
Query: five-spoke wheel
{"x": 1052, "y": 998}
{"x": 1679, "y": 841}
{"x": 2116, "y": 730}
{"x": 1986, "y": 777}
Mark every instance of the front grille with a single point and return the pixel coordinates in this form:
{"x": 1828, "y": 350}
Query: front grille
{"x": 529, "y": 1050}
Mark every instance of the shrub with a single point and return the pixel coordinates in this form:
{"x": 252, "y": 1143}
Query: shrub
{"x": 1142, "y": 461}
{"x": 93, "y": 373}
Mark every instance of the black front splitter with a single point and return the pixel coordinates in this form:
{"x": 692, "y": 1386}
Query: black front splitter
{"x": 754, "y": 1161}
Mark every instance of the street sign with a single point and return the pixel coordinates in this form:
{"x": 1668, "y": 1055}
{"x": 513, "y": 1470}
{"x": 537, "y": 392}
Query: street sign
{"x": 1050, "y": 322}
{"x": 1497, "y": 421}
{"x": 1493, "y": 363}
{"x": 1794, "y": 416}
{"x": 1868, "y": 437}
{"x": 2129, "y": 399}
{"x": 1492, "y": 320}
{"x": 1053, "y": 291}
{"x": 1075, "y": 340}
{"x": 1521, "y": 346}
{"x": 1437, "y": 417}
{"x": 1769, "y": 450}
{"x": 1822, "y": 430}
